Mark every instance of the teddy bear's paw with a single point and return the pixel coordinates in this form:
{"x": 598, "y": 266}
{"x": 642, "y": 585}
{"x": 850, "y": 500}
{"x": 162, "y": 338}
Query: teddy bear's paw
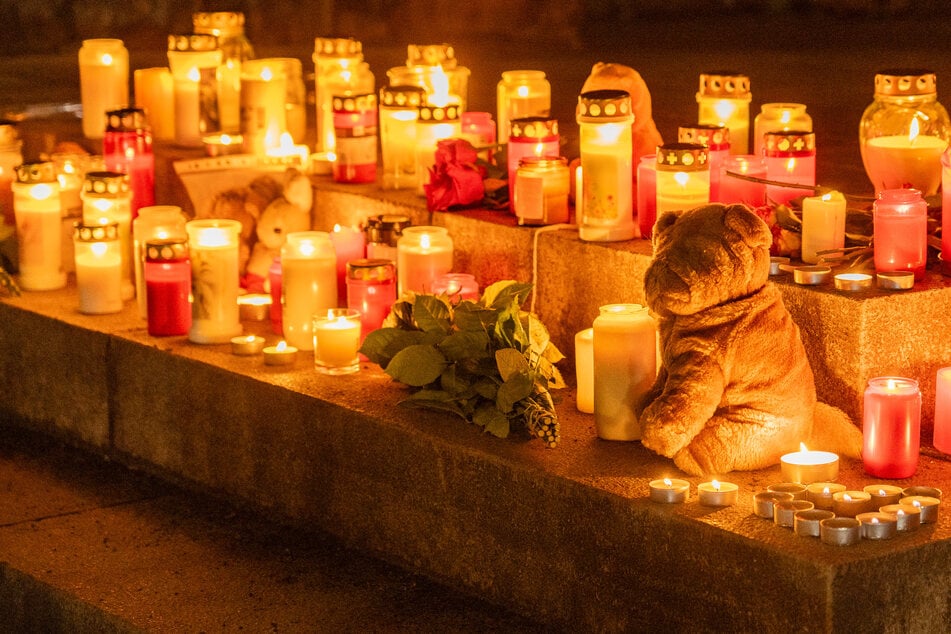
{"x": 687, "y": 463}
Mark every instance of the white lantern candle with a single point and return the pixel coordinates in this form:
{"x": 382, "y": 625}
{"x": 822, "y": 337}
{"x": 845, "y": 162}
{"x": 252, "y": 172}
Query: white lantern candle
{"x": 823, "y": 225}
{"x": 339, "y": 68}
{"x": 37, "y": 208}
{"x": 422, "y": 254}
{"x": 399, "y": 110}
{"x": 625, "y": 349}
{"x": 103, "y": 82}
{"x": 98, "y": 268}
{"x": 107, "y": 198}
{"x": 683, "y": 177}
{"x": 336, "y": 341}
{"x": 213, "y": 244}
{"x": 521, "y": 93}
{"x": 194, "y": 60}
{"x": 434, "y": 124}
{"x": 724, "y": 99}
{"x": 309, "y": 284}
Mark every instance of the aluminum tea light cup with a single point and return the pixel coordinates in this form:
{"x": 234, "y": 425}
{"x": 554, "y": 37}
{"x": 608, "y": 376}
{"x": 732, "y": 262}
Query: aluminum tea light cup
{"x": 928, "y": 506}
{"x": 896, "y": 280}
{"x": 878, "y": 525}
{"x": 908, "y": 516}
{"x": 840, "y": 531}
{"x": 806, "y": 523}
{"x": 809, "y": 275}
{"x": 853, "y": 281}
{"x": 764, "y": 501}
{"x": 930, "y": 492}
{"x": 883, "y": 494}
{"x": 776, "y": 264}
{"x": 669, "y": 491}
{"x": 798, "y": 491}
{"x": 784, "y": 513}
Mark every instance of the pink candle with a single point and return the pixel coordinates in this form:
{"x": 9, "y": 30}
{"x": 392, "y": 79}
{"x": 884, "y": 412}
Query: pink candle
{"x": 647, "y": 194}
{"x": 349, "y": 244}
{"x": 458, "y": 286}
{"x": 530, "y": 136}
{"x": 737, "y": 190}
{"x": 942, "y": 411}
{"x": 478, "y": 128}
{"x": 946, "y": 213}
{"x": 790, "y": 158}
{"x": 891, "y": 427}
{"x": 127, "y": 148}
{"x": 371, "y": 290}
{"x": 900, "y": 221}
{"x": 274, "y": 278}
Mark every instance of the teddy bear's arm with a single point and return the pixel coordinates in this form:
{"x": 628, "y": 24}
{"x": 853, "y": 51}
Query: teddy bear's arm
{"x": 690, "y": 397}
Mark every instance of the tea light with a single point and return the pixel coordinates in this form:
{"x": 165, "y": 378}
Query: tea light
{"x": 883, "y": 494}
{"x": 798, "y": 491}
{"x": 877, "y": 525}
{"x": 716, "y": 493}
{"x": 908, "y": 516}
{"x": 928, "y": 506}
{"x": 764, "y": 501}
{"x": 840, "y": 531}
{"x": 281, "y": 354}
{"x": 806, "y": 523}
{"x": 223, "y": 144}
{"x": 853, "y": 281}
{"x": 807, "y": 466}
{"x": 776, "y": 263}
{"x": 247, "y": 346}
{"x": 820, "y": 493}
{"x": 850, "y": 503}
{"x": 254, "y": 306}
{"x": 669, "y": 491}
{"x": 896, "y": 280}
{"x": 784, "y": 513}
{"x": 930, "y": 492}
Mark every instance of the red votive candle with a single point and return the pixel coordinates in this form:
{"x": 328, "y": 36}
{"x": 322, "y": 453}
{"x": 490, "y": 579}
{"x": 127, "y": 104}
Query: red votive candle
{"x": 371, "y": 290}
{"x": 790, "y": 157}
{"x": 891, "y": 427}
{"x": 738, "y": 190}
{"x": 900, "y": 231}
{"x": 647, "y": 194}
{"x": 127, "y": 148}
{"x": 277, "y": 309}
{"x": 355, "y": 119}
{"x": 168, "y": 279}
{"x": 349, "y": 244}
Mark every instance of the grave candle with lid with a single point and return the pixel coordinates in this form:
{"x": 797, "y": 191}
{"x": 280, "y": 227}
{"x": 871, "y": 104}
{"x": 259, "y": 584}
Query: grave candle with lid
{"x": 716, "y": 139}
{"x": 399, "y": 110}
{"x": 98, "y": 268}
{"x": 263, "y": 116}
{"x": 339, "y": 69}
{"x": 107, "y": 198}
{"x": 529, "y": 137}
{"x": 683, "y": 177}
{"x": 355, "y": 119}
{"x": 213, "y": 245}
{"x": 168, "y": 277}
{"x": 37, "y": 210}
{"x": 790, "y": 157}
{"x": 724, "y": 99}
{"x": 194, "y": 59}
{"x": 127, "y": 148}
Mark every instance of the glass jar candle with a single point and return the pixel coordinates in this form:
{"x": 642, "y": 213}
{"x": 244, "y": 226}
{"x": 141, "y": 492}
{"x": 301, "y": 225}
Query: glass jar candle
{"x": 823, "y": 225}
{"x": 891, "y": 427}
{"x": 355, "y": 118}
{"x": 103, "y": 82}
{"x": 478, "y": 129}
{"x": 542, "y": 184}
{"x": 435, "y": 123}
{"x": 37, "y": 209}
{"x": 228, "y": 27}
{"x": 263, "y": 116}
{"x": 155, "y": 93}
{"x": 904, "y": 131}
{"x": 154, "y": 223}
{"x": 274, "y": 278}
{"x": 371, "y": 290}
{"x": 646, "y": 194}
{"x": 735, "y": 189}
{"x": 10, "y": 157}
{"x": 520, "y": 94}
{"x": 337, "y": 341}
{"x": 399, "y": 110}
{"x": 383, "y": 232}
{"x": 724, "y": 99}
{"x": 900, "y": 231}
{"x": 98, "y": 268}
{"x": 168, "y": 280}
{"x": 607, "y": 171}
{"x": 127, "y": 148}
{"x": 213, "y": 245}
{"x": 778, "y": 117}
{"x": 349, "y": 244}
{"x": 194, "y": 60}
{"x": 625, "y": 365}
{"x": 107, "y": 198}
{"x": 339, "y": 69}
{"x": 942, "y": 411}
{"x": 683, "y": 177}
{"x": 295, "y": 96}
{"x": 717, "y": 141}
{"x": 457, "y": 287}
{"x": 435, "y": 68}
{"x": 790, "y": 157}
{"x": 946, "y": 213}
{"x": 530, "y": 136}
{"x": 308, "y": 284}
{"x": 423, "y": 253}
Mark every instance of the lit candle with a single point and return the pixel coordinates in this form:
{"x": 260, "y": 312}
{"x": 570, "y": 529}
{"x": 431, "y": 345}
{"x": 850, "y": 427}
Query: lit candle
{"x": 784, "y": 513}
{"x": 900, "y": 231}
{"x": 281, "y": 354}
{"x": 778, "y": 116}
{"x": 127, "y": 148}
{"x": 795, "y": 489}
{"x": 908, "y": 516}
{"x": 530, "y": 137}
{"x": 883, "y": 494}
{"x": 897, "y": 161}
{"x": 155, "y": 93}
{"x": 724, "y": 99}
{"x": 154, "y": 223}
{"x": 263, "y": 115}
{"x": 423, "y": 253}
{"x": 336, "y": 340}
{"x": 457, "y": 287}
{"x": 946, "y": 212}
{"x": 851, "y": 503}
{"x": 308, "y": 282}
{"x": 823, "y": 225}
{"x": 103, "y": 82}
{"x": 807, "y": 466}
{"x": 399, "y": 109}
{"x": 942, "y": 410}
{"x": 716, "y": 493}
{"x": 107, "y": 198}
{"x": 37, "y": 208}
{"x": 478, "y": 128}
{"x": 285, "y": 153}
{"x": 213, "y": 246}
{"x": 716, "y": 139}
{"x": 355, "y": 131}
{"x": 646, "y": 194}
{"x": 349, "y": 244}
{"x": 808, "y": 523}
{"x": 223, "y": 144}
{"x": 765, "y": 501}
{"x": 98, "y": 268}
{"x": 247, "y": 346}
{"x": 435, "y": 122}
{"x": 877, "y": 525}
{"x": 168, "y": 284}
{"x": 541, "y": 190}
{"x": 840, "y": 531}
{"x": 339, "y": 68}
{"x": 927, "y": 506}
{"x": 683, "y": 177}
{"x": 790, "y": 157}
{"x": 853, "y": 281}
{"x": 891, "y": 427}
{"x": 739, "y": 190}
{"x": 371, "y": 290}
{"x": 584, "y": 370}
{"x": 194, "y": 60}
{"x": 521, "y": 93}
{"x": 669, "y": 491}
{"x": 254, "y": 306}
{"x": 821, "y": 493}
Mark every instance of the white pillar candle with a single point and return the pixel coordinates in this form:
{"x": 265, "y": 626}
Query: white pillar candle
{"x": 309, "y": 284}
{"x": 98, "y": 268}
{"x": 584, "y": 370}
{"x": 103, "y": 82}
{"x": 823, "y": 225}
{"x": 194, "y": 60}
{"x": 38, "y": 209}
{"x": 336, "y": 341}
{"x": 213, "y": 246}
{"x": 106, "y": 198}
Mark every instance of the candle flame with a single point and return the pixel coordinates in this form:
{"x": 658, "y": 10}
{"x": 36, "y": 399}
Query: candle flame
{"x": 913, "y": 130}
{"x": 106, "y": 59}
{"x": 826, "y": 197}
{"x": 281, "y": 346}
{"x": 539, "y": 149}
{"x": 785, "y": 117}
{"x": 882, "y": 492}
{"x": 716, "y": 485}
{"x": 213, "y": 237}
{"x": 103, "y": 205}
{"x": 682, "y": 178}
{"x": 98, "y": 248}
{"x": 846, "y": 497}
{"x": 42, "y": 191}
{"x": 307, "y": 248}
{"x": 791, "y": 165}
{"x": 668, "y": 482}
{"x": 522, "y": 91}
{"x": 724, "y": 109}
{"x": 267, "y": 74}
{"x": 825, "y": 490}
{"x": 874, "y": 520}
{"x": 900, "y": 512}
{"x": 193, "y": 74}
{"x": 439, "y": 81}
{"x": 890, "y": 385}
{"x": 225, "y": 139}
{"x": 802, "y": 447}
{"x": 249, "y": 339}
{"x": 424, "y": 241}
{"x": 916, "y": 503}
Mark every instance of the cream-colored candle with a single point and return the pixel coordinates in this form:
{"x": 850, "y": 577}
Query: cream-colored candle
{"x": 584, "y": 370}
{"x": 98, "y": 268}
{"x": 155, "y": 93}
{"x": 103, "y": 82}
{"x": 263, "y": 115}
{"x": 309, "y": 284}
{"x": 106, "y": 198}
{"x": 336, "y": 341}
{"x": 213, "y": 247}
{"x": 724, "y": 99}
{"x": 37, "y": 208}
{"x": 898, "y": 161}
{"x": 823, "y": 225}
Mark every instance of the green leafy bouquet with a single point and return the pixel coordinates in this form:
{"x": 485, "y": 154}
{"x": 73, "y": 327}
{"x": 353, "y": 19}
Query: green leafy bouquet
{"x": 487, "y": 361}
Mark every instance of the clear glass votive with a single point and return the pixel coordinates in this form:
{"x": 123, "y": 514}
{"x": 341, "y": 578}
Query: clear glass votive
{"x": 336, "y": 341}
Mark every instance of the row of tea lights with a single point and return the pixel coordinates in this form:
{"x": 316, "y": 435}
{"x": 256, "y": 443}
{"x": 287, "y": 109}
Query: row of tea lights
{"x": 826, "y": 510}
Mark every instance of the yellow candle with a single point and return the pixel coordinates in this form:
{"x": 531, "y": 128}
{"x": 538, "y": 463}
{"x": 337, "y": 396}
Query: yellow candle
{"x": 900, "y": 161}
{"x": 337, "y": 339}
{"x": 154, "y": 92}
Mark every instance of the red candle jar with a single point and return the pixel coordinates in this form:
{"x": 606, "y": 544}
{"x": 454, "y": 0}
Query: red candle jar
{"x": 371, "y": 290}
{"x": 127, "y": 148}
{"x": 530, "y": 136}
{"x": 168, "y": 279}
{"x": 716, "y": 138}
{"x": 900, "y": 231}
{"x": 647, "y": 194}
{"x": 457, "y": 286}
{"x": 790, "y": 157}
{"x": 739, "y": 190}
{"x": 891, "y": 427}
{"x": 274, "y": 281}
{"x": 355, "y": 118}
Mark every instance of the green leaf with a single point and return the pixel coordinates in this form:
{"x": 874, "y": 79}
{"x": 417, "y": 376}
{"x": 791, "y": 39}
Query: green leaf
{"x": 437, "y": 405}
{"x": 472, "y": 317}
{"x": 463, "y": 345}
{"x": 382, "y": 345}
{"x": 510, "y": 362}
{"x": 401, "y": 316}
{"x": 417, "y": 365}
{"x": 506, "y": 293}
{"x": 486, "y": 388}
{"x": 517, "y": 387}
{"x": 432, "y": 314}
{"x": 492, "y": 420}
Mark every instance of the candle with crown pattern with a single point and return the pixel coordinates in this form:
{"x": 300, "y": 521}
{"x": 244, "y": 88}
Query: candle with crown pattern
{"x": 339, "y": 69}
{"x": 194, "y": 59}
{"x": 716, "y": 139}
{"x": 724, "y": 100}
{"x": 127, "y": 148}
{"x": 98, "y": 268}
{"x": 168, "y": 278}
{"x": 683, "y": 177}
{"x": 399, "y": 111}
{"x": 529, "y": 136}
{"x": 107, "y": 198}
{"x": 790, "y": 157}
{"x": 37, "y": 209}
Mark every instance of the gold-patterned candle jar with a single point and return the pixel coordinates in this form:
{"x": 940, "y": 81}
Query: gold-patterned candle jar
{"x": 194, "y": 59}
{"x": 683, "y": 177}
{"x": 724, "y": 99}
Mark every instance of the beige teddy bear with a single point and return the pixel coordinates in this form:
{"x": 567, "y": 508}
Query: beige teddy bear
{"x": 286, "y": 213}
{"x": 735, "y": 390}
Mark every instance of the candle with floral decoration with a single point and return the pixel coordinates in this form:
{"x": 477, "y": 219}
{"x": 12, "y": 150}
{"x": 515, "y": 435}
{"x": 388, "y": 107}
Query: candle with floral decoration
{"x": 435, "y": 124}
{"x": 683, "y": 177}
{"x": 98, "y": 268}
{"x": 724, "y": 100}
{"x": 423, "y": 253}
{"x": 213, "y": 245}
{"x": 194, "y": 60}
{"x": 263, "y": 116}
{"x": 399, "y": 110}
{"x": 823, "y": 225}
{"x": 127, "y": 148}
{"x": 103, "y": 82}
{"x": 355, "y": 125}
{"x": 900, "y": 232}
{"x": 716, "y": 139}
{"x": 37, "y": 209}
{"x": 308, "y": 284}
{"x": 371, "y": 290}
{"x": 891, "y": 427}
{"x": 530, "y": 136}
{"x": 734, "y": 188}
{"x": 339, "y": 68}
{"x": 774, "y": 117}
{"x": 155, "y": 94}
{"x": 790, "y": 157}
{"x": 604, "y": 119}
{"x": 107, "y": 198}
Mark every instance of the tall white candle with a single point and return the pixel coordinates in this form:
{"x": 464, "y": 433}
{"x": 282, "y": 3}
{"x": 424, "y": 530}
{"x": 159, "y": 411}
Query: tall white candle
{"x": 823, "y": 225}
{"x": 309, "y": 284}
{"x": 98, "y": 269}
{"x": 37, "y": 208}
{"x": 103, "y": 82}
{"x": 263, "y": 116}
{"x": 155, "y": 93}
{"x": 213, "y": 247}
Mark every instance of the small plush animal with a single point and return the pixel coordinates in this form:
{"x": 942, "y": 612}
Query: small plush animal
{"x": 735, "y": 390}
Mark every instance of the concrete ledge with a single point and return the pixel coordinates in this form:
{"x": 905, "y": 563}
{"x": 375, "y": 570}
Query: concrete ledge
{"x": 566, "y": 536}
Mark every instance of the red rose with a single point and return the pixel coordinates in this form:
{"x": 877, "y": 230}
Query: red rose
{"x": 455, "y": 180}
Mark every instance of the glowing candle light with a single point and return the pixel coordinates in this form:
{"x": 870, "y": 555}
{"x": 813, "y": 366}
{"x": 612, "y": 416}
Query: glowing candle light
{"x": 103, "y": 82}
{"x": 98, "y": 268}
{"x": 213, "y": 245}
{"x": 716, "y": 493}
{"x": 823, "y": 225}
{"x": 37, "y": 209}
{"x": 194, "y": 60}
{"x": 683, "y": 177}
{"x": 309, "y": 284}
{"x": 790, "y": 157}
{"x": 282, "y": 354}
{"x": 669, "y": 491}
{"x": 336, "y": 340}
{"x": 724, "y": 100}
{"x": 399, "y": 110}
{"x": 423, "y": 253}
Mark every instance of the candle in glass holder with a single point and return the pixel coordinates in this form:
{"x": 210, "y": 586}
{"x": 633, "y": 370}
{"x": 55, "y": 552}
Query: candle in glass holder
{"x": 339, "y": 68}
{"x": 336, "y": 341}
{"x": 435, "y": 123}
{"x": 530, "y": 136}
{"x": 228, "y": 27}
{"x": 823, "y": 225}
{"x": 213, "y": 245}
{"x": 107, "y": 198}
{"x": 607, "y": 204}
{"x": 716, "y": 493}
{"x": 775, "y": 117}
{"x": 478, "y": 128}
{"x": 154, "y": 223}
{"x": 891, "y": 427}
{"x": 371, "y": 290}
{"x": 383, "y": 232}
{"x": 399, "y": 110}
{"x": 263, "y": 116}
{"x": 541, "y": 190}
{"x": 647, "y": 194}
{"x": 807, "y": 466}
{"x": 11, "y": 155}
{"x": 457, "y": 287}
{"x": 790, "y": 157}
{"x": 38, "y": 209}
{"x": 308, "y": 283}
{"x": 900, "y": 231}
{"x": 716, "y": 139}
{"x": 127, "y": 148}
{"x": 194, "y": 60}
{"x": 734, "y": 189}
{"x": 277, "y": 309}
{"x": 355, "y": 119}
{"x": 349, "y": 244}
{"x": 168, "y": 280}
{"x": 584, "y": 370}
{"x": 155, "y": 94}
{"x": 625, "y": 365}
{"x": 98, "y": 268}
{"x": 942, "y": 411}
{"x": 724, "y": 100}
{"x": 435, "y": 68}
{"x": 521, "y": 93}
{"x": 683, "y": 177}
{"x": 103, "y": 82}
{"x": 423, "y": 253}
